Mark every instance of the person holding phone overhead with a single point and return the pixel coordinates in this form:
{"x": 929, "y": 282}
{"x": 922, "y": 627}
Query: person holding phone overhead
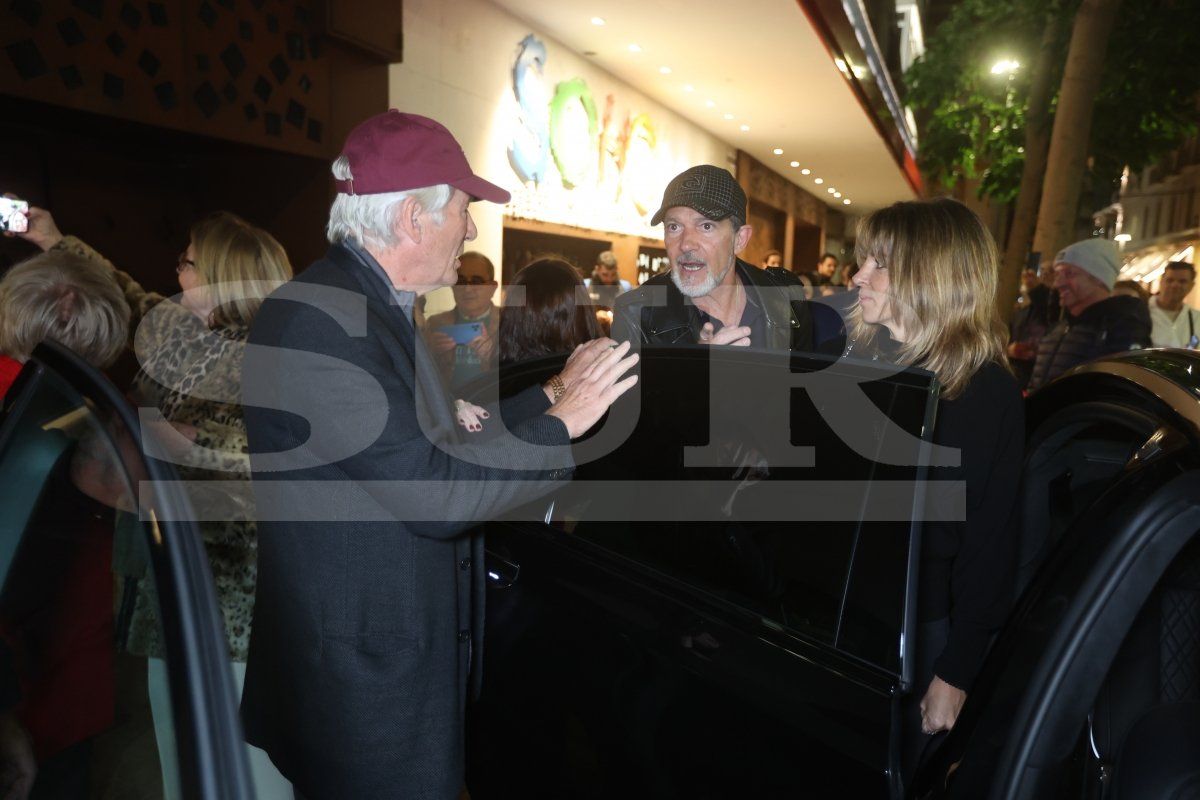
{"x": 463, "y": 338}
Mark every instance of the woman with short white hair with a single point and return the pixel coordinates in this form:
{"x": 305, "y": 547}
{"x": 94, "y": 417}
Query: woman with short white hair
{"x": 64, "y": 297}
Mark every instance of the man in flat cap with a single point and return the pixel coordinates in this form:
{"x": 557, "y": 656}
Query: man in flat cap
{"x": 710, "y": 295}
{"x": 1095, "y": 321}
{"x": 369, "y": 608}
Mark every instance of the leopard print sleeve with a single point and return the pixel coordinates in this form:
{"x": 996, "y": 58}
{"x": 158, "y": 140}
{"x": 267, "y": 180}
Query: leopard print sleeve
{"x": 221, "y": 447}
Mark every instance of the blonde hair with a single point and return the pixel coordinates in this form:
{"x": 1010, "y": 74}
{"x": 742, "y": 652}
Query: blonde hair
{"x": 238, "y": 266}
{"x": 942, "y": 268}
{"x": 66, "y": 297}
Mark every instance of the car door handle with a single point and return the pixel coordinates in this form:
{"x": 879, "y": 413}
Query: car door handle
{"x": 501, "y": 572}
{"x": 700, "y": 643}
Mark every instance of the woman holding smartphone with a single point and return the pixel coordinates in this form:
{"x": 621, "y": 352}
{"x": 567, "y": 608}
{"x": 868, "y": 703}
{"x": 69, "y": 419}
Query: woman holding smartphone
{"x": 927, "y": 298}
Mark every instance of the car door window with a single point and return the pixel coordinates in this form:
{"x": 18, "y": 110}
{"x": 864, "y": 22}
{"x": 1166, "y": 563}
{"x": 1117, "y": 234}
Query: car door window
{"x": 76, "y": 563}
{"x": 834, "y": 575}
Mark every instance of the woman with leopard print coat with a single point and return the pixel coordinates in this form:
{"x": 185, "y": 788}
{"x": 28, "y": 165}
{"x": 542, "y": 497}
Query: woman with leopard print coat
{"x": 188, "y": 390}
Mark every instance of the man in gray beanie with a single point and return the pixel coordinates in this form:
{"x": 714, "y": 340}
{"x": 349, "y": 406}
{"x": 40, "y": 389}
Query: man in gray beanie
{"x": 1095, "y": 322}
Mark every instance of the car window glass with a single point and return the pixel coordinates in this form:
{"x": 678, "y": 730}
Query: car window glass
{"x": 822, "y": 568}
{"x": 74, "y": 561}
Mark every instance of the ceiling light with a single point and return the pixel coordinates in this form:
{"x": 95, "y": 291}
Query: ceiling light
{"x": 709, "y": 103}
{"x": 665, "y": 70}
{"x": 745, "y": 129}
{"x": 1122, "y": 237}
{"x": 845, "y": 202}
{"x": 805, "y": 171}
{"x": 635, "y": 48}
{"x": 831, "y": 190}
{"x": 795, "y": 163}
{"x": 687, "y": 87}
{"x": 837, "y": 194}
{"x": 777, "y": 151}
{"x": 729, "y": 116}
{"x": 597, "y": 20}
{"x": 819, "y": 181}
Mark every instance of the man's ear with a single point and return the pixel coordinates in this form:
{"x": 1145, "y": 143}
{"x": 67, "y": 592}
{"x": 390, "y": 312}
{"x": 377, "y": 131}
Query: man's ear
{"x": 743, "y": 238}
{"x": 409, "y": 219}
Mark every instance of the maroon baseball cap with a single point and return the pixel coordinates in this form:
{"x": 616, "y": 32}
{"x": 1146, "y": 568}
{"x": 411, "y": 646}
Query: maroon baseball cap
{"x": 395, "y": 152}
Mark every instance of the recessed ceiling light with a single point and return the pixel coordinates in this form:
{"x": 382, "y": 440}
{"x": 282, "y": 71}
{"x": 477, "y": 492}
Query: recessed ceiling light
{"x": 795, "y": 163}
{"x": 709, "y": 103}
{"x": 635, "y": 48}
{"x": 777, "y": 151}
{"x": 729, "y": 116}
{"x": 597, "y": 20}
{"x": 687, "y": 87}
{"x": 837, "y": 194}
{"x": 805, "y": 171}
{"x": 831, "y": 190}
{"x": 845, "y": 202}
{"x": 745, "y": 129}
{"x": 819, "y": 181}
{"x": 665, "y": 70}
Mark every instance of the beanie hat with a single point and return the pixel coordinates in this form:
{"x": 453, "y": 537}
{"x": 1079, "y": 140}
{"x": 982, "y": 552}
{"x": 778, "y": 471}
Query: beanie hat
{"x": 1097, "y": 257}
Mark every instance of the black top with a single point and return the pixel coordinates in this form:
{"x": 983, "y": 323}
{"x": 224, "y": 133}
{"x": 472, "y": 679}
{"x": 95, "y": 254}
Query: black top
{"x": 752, "y": 317}
{"x": 968, "y": 568}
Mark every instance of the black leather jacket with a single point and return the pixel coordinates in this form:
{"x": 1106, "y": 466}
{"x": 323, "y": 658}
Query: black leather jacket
{"x": 656, "y": 313}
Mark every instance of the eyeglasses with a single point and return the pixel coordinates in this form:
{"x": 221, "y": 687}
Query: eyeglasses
{"x": 473, "y": 280}
{"x": 184, "y": 263}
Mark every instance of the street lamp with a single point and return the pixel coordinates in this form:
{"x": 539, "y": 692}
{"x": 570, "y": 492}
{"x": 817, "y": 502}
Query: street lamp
{"x": 1006, "y": 66}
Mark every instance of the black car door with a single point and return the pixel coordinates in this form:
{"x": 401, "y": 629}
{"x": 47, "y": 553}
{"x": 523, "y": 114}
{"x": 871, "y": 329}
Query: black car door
{"x": 709, "y": 609}
{"x": 88, "y": 524}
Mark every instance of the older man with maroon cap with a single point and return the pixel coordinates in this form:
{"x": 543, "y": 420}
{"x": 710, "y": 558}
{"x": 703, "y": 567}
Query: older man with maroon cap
{"x": 369, "y": 609}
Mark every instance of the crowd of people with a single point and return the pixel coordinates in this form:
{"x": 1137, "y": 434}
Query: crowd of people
{"x": 334, "y": 378}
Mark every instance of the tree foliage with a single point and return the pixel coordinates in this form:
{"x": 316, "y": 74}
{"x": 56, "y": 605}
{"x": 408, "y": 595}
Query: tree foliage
{"x": 971, "y": 122}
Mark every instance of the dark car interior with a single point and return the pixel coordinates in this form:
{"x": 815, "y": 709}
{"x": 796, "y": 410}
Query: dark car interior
{"x": 1140, "y": 740}
{"x": 1070, "y": 460}
{"x": 1144, "y": 730}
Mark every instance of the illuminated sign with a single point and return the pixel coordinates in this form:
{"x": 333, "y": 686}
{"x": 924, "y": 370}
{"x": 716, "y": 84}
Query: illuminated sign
{"x": 579, "y": 165}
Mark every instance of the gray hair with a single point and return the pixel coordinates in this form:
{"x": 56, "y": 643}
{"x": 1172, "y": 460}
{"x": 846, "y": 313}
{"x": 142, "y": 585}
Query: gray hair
{"x": 66, "y": 297}
{"x": 370, "y": 219}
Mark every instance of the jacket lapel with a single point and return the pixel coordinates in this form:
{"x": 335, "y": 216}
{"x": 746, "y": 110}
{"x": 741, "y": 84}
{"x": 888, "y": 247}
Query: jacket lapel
{"x": 433, "y": 404}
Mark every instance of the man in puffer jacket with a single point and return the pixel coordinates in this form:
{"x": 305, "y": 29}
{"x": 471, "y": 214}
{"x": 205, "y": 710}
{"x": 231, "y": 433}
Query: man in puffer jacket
{"x": 1095, "y": 322}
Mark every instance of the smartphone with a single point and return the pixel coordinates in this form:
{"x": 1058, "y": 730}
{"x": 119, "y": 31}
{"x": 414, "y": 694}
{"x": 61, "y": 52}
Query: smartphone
{"x": 463, "y": 332}
{"x": 14, "y": 215}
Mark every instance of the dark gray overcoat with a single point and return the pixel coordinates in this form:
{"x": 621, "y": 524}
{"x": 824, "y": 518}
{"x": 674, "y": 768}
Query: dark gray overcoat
{"x": 369, "y": 605}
